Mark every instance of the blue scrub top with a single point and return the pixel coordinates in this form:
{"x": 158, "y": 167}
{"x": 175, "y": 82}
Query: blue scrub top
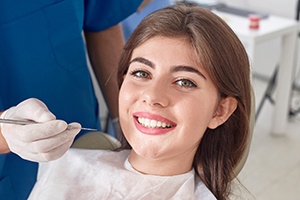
{"x": 42, "y": 55}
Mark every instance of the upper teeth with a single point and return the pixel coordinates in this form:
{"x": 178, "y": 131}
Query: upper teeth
{"x": 151, "y": 123}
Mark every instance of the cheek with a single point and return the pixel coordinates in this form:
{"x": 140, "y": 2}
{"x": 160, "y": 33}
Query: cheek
{"x": 127, "y": 101}
{"x": 197, "y": 114}
{"x": 195, "y": 126}
{"x": 123, "y": 99}
{"x": 125, "y": 96}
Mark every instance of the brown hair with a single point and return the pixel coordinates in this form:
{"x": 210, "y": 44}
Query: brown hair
{"x": 224, "y": 58}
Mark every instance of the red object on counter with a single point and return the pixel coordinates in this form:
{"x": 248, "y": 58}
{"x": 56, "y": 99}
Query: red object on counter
{"x": 254, "y": 21}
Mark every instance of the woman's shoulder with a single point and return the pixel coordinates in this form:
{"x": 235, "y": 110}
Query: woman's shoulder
{"x": 91, "y": 158}
{"x": 80, "y": 159}
{"x": 96, "y": 155}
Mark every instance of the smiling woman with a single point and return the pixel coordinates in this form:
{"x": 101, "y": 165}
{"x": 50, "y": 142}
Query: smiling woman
{"x": 184, "y": 107}
{"x": 195, "y": 73}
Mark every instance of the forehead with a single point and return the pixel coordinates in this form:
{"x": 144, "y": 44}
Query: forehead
{"x": 163, "y": 48}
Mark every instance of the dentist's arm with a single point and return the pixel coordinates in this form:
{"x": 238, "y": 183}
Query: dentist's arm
{"x": 104, "y": 49}
{"x": 3, "y": 144}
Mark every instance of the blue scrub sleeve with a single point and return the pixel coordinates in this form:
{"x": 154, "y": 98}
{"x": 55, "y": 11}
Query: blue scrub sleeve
{"x": 102, "y": 14}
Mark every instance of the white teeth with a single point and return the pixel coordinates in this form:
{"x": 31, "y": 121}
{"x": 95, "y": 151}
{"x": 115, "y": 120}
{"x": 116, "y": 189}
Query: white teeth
{"x": 153, "y": 123}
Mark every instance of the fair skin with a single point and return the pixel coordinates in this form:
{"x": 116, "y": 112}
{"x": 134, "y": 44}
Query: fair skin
{"x": 143, "y": 5}
{"x": 3, "y": 145}
{"x": 169, "y": 88}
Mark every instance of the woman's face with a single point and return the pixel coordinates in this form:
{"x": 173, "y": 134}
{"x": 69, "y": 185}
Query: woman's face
{"x": 166, "y": 102}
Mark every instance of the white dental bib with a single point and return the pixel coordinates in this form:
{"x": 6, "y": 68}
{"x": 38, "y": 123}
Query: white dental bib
{"x": 100, "y": 174}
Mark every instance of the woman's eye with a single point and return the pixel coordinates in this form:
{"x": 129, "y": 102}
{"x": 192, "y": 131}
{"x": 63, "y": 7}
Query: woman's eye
{"x": 186, "y": 83}
{"x": 140, "y": 74}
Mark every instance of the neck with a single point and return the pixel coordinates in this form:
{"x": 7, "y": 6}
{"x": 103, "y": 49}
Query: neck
{"x": 161, "y": 167}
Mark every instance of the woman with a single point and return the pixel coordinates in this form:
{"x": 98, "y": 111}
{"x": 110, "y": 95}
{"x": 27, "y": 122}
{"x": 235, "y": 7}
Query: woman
{"x": 184, "y": 108}
{"x": 222, "y": 58}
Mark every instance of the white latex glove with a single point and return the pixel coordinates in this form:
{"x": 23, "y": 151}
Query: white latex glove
{"x": 45, "y": 141}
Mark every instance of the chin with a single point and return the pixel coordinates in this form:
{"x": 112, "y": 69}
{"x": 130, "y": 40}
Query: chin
{"x": 149, "y": 152}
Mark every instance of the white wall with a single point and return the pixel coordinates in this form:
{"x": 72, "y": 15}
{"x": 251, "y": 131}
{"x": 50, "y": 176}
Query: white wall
{"x": 284, "y": 8}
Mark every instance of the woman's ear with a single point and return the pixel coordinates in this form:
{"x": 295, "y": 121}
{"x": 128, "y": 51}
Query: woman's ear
{"x": 224, "y": 110}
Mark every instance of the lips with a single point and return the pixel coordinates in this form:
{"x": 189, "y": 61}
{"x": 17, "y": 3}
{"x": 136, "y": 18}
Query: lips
{"x": 152, "y": 124}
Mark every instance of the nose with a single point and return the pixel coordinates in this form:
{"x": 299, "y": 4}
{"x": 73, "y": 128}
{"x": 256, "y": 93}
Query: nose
{"x": 156, "y": 94}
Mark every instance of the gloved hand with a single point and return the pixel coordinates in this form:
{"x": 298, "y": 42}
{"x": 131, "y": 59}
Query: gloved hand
{"x": 47, "y": 140}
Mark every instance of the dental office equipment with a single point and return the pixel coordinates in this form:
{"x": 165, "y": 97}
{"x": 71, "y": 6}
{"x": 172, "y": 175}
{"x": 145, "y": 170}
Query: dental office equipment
{"x": 23, "y": 122}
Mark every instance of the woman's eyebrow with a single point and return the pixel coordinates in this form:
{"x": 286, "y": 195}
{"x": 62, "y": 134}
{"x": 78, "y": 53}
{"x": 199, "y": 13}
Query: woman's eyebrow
{"x": 187, "y": 69}
{"x": 143, "y": 61}
{"x": 173, "y": 69}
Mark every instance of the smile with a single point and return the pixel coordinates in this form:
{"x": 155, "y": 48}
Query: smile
{"x": 151, "y": 123}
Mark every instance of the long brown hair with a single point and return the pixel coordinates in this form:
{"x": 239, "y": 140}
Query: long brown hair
{"x": 224, "y": 58}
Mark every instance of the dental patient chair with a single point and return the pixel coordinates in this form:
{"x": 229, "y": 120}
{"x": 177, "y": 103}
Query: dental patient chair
{"x": 96, "y": 140}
